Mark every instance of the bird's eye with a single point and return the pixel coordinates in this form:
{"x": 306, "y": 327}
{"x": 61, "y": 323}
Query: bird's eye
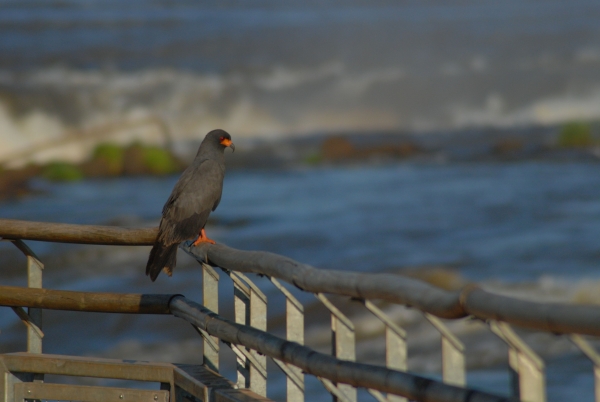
{"x": 221, "y": 139}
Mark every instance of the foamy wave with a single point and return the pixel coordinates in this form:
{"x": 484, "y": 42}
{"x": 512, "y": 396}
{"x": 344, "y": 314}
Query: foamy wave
{"x": 19, "y": 133}
{"x": 55, "y": 102}
{"x": 259, "y": 104}
{"x": 541, "y": 112}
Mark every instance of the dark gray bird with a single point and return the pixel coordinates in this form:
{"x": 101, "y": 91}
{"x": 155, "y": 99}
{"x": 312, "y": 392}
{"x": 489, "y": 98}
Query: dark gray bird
{"x": 196, "y": 194}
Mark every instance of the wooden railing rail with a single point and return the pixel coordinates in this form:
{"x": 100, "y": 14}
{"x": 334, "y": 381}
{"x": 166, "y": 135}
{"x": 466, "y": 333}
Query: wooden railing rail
{"x": 251, "y": 343}
{"x": 124, "y": 303}
{"x": 78, "y": 234}
{"x": 472, "y": 300}
{"x": 310, "y": 361}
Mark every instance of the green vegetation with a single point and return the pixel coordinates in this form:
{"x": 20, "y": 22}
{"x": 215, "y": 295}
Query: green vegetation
{"x": 110, "y": 160}
{"x": 112, "y": 155}
{"x": 575, "y": 135}
{"x": 62, "y": 171}
{"x": 313, "y": 159}
{"x": 158, "y": 160}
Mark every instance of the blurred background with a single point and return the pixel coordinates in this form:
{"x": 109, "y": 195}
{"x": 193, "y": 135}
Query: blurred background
{"x": 453, "y": 141}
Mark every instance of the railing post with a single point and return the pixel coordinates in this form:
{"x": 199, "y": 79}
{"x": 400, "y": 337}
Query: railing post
{"x": 258, "y": 320}
{"x": 34, "y": 315}
{"x": 250, "y": 306}
{"x": 294, "y": 331}
{"x": 591, "y": 353}
{"x": 453, "y": 358}
{"x": 241, "y": 295}
{"x": 343, "y": 342}
{"x": 395, "y": 345}
{"x": 525, "y": 362}
{"x": 210, "y": 299}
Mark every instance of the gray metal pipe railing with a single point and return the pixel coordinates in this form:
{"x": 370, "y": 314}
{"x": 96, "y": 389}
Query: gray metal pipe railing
{"x": 389, "y": 287}
{"x": 310, "y": 361}
{"x": 553, "y": 317}
{"x": 323, "y": 365}
{"x": 248, "y": 332}
{"x": 471, "y": 300}
{"x": 558, "y": 318}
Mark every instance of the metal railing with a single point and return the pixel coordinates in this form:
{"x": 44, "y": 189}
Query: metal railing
{"x": 338, "y": 372}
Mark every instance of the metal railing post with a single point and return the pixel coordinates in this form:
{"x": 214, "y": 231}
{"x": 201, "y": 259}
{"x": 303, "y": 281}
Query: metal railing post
{"x": 241, "y": 302}
{"x": 294, "y": 331}
{"x": 591, "y": 353}
{"x": 250, "y": 306}
{"x": 525, "y": 362}
{"x": 343, "y": 342}
{"x": 395, "y": 345}
{"x": 33, "y": 318}
{"x": 453, "y": 358}
{"x": 210, "y": 299}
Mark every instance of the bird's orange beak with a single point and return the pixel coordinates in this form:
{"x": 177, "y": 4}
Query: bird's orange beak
{"x": 227, "y": 142}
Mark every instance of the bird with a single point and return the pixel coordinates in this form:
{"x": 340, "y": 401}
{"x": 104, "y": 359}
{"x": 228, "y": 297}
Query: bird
{"x": 195, "y": 195}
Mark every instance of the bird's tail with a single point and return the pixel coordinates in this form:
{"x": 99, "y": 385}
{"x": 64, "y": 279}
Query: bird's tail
{"x": 161, "y": 257}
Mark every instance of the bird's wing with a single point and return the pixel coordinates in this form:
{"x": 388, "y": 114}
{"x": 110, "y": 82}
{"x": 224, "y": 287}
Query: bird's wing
{"x": 194, "y": 196}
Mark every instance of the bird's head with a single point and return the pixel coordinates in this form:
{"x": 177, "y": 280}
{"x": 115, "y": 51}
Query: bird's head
{"x": 220, "y": 137}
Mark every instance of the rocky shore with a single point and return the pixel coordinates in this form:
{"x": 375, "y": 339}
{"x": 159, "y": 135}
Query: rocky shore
{"x": 572, "y": 141}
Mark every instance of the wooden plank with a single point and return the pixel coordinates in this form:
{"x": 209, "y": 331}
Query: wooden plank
{"x": 218, "y": 388}
{"x": 14, "y": 296}
{"x": 88, "y": 367}
{"x": 238, "y": 395}
{"x": 62, "y": 392}
{"x": 190, "y": 384}
{"x": 205, "y": 375}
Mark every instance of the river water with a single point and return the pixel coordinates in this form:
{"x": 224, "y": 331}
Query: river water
{"x": 527, "y": 229}
{"x": 275, "y": 69}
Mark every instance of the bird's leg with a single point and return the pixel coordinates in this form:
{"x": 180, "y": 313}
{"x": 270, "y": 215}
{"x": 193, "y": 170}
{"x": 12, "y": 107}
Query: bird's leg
{"x": 202, "y": 238}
